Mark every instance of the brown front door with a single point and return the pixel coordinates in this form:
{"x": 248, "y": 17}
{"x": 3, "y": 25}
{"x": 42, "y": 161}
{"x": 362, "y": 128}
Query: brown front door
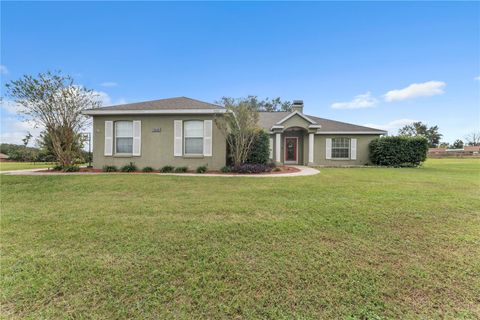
{"x": 291, "y": 150}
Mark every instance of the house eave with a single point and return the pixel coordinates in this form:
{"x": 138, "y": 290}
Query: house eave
{"x": 136, "y": 112}
{"x": 352, "y": 132}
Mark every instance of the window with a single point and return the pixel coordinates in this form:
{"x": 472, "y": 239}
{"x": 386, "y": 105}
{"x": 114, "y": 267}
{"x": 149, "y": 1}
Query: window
{"x": 340, "y": 148}
{"x": 123, "y": 136}
{"x": 193, "y": 132}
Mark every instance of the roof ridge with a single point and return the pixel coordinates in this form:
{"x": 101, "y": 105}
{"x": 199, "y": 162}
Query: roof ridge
{"x": 214, "y": 104}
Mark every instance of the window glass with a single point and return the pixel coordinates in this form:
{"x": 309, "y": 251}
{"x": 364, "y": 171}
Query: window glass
{"x": 341, "y": 148}
{"x": 124, "y": 136}
{"x": 193, "y": 137}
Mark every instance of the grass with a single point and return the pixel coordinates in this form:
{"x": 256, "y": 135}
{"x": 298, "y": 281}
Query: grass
{"x": 352, "y": 243}
{"x": 5, "y": 166}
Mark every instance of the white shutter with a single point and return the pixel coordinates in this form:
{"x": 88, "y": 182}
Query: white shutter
{"x": 270, "y": 146}
{"x": 353, "y": 149}
{"x": 178, "y": 138}
{"x": 207, "y": 138}
{"x": 108, "y": 138}
{"x": 328, "y": 148}
{"x": 137, "y": 138}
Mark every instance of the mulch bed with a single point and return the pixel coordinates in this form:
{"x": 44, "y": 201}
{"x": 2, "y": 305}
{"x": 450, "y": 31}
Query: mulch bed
{"x": 283, "y": 169}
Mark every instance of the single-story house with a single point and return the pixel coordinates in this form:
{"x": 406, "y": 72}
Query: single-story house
{"x": 3, "y": 157}
{"x": 182, "y": 132}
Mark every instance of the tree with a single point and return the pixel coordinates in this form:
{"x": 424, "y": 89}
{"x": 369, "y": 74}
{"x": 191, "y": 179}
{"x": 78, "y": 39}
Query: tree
{"x": 239, "y": 126}
{"x": 444, "y": 145}
{"x": 53, "y": 101}
{"x": 266, "y": 105}
{"x": 473, "y": 139}
{"x": 421, "y": 129}
{"x": 458, "y": 144}
{"x": 27, "y": 138}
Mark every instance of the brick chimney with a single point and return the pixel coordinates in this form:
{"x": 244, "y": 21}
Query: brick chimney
{"x": 297, "y": 106}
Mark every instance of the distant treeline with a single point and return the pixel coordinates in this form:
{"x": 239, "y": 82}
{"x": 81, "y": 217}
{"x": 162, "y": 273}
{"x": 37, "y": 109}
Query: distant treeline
{"x": 22, "y": 153}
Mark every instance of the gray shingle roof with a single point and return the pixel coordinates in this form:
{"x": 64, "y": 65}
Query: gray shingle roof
{"x": 179, "y": 103}
{"x": 268, "y": 119}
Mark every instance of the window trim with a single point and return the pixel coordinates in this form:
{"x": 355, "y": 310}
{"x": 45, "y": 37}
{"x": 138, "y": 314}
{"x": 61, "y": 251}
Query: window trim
{"x": 116, "y": 136}
{"x": 341, "y": 148}
{"x": 185, "y": 154}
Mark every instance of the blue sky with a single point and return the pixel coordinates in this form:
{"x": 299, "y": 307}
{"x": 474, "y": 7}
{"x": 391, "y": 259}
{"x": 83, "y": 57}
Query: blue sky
{"x": 376, "y": 63}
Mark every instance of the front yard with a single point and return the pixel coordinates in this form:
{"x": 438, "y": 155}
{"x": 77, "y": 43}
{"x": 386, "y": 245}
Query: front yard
{"x": 346, "y": 243}
{"x": 10, "y": 165}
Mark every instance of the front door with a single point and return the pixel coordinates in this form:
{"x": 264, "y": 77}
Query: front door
{"x": 291, "y": 150}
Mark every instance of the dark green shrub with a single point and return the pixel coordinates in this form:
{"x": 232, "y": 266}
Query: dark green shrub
{"x": 226, "y": 169}
{"x": 167, "y": 169}
{"x": 398, "y": 151}
{"x": 131, "y": 167}
{"x": 202, "y": 169}
{"x": 57, "y": 167}
{"x": 253, "y": 168}
{"x": 277, "y": 169}
{"x": 148, "y": 169}
{"x": 71, "y": 169}
{"x": 260, "y": 149}
{"x": 181, "y": 169}
{"x": 109, "y": 168}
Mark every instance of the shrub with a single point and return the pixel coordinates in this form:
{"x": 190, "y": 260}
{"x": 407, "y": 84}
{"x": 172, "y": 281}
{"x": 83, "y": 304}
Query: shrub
{"x": 253, "y": 168}
{"x": 276, "y": 169}
{"x": 71, "y": 168}
{"x": 109, "y": 168}
{"x": 226, "y": 169}
{"x": 202, "y": 169}
{"x": 398, "y": 151}
{"x": 167, "y": 169}
{"x": 260, "y": 149}
{"x": 181, "y": 169}
{"x": 131, "y": 167}
{"x": 148, "y": 169}
{"x": 57, "y": 167}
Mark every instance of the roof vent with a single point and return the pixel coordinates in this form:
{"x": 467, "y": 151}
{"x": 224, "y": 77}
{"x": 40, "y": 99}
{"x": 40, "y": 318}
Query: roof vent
{"x": 297, "y": 106}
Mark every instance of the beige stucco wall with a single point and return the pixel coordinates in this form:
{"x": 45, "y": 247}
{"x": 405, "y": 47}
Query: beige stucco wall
{"x": 157, "y": 147}
{"x": 320, "y": 149}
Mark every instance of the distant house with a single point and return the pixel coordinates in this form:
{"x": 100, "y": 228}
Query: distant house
{"x": 182, "y": 132}
{"x": 3, "y": 157}
{"x": 467, "y": 151}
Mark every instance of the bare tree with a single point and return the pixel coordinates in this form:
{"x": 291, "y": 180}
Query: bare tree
{"x": 53, "y": 101}
{"x": 473, "y": 139}
{"x": 240, "y": 127}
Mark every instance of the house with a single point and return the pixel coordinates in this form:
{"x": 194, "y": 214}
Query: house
{"x": 182, "y": 132}
{"x": 3, "y": 157}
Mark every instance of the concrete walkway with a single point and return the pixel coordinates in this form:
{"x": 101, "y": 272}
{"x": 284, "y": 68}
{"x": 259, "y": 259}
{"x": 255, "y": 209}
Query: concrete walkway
{"x": 304, "y": 171}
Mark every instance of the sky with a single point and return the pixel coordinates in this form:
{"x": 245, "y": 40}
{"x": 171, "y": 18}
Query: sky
{"x": 380, "y": 64}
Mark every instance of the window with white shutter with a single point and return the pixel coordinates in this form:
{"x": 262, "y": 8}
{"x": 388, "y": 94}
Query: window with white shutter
{"x": 137, "y": 138}
{"x": 207, "y": 138}
{"x": 178, "y": 138}
{"x": 108, "y": 151}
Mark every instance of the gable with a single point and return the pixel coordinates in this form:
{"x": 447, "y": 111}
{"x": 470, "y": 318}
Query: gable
{"x": 295, "y": 120}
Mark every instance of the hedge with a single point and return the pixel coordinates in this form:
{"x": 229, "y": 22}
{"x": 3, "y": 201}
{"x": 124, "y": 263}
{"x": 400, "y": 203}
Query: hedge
{"x": 398, "y": 151}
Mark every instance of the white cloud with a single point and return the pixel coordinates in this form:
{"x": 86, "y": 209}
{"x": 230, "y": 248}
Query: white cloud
{"x": 107, "y": 100}
{"x": 359, "y": 102}
{"x": 11, "y": 106}
{"x": 425, "y": 89}
{"x": 109, "y": 84}
{"x": 3, "y": 69}
{"x": 477, "y": 78}
{"x": 14, "y": 130}
{"x": 392, "y": 126}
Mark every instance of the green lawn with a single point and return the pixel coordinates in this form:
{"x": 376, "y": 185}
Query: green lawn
{"x": 347, "y": 243}
{"x": 5, "y": 166}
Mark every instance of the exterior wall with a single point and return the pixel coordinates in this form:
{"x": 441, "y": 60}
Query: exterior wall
{"x": 362, "y": 150}
{"x": 157, "y": 147}
{"x": 296, "y": 121}
{"x": 320, "y": 149}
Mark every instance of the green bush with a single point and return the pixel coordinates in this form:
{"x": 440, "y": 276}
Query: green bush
{"x": 71, "y": 169}
{"x": 181, "y": 169}
{"x": 57, "y": 167}
{"x": 202, "y": 169}
{"x": 260, "y": 149}
{"x": 398, "y": 151}
{"x": 167, "y": 169}
{"x": 109, "y": 168}
{"x": 148, "y": 169}
{"x": 226, "y": 169}
{"x": 131, "y": 167}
